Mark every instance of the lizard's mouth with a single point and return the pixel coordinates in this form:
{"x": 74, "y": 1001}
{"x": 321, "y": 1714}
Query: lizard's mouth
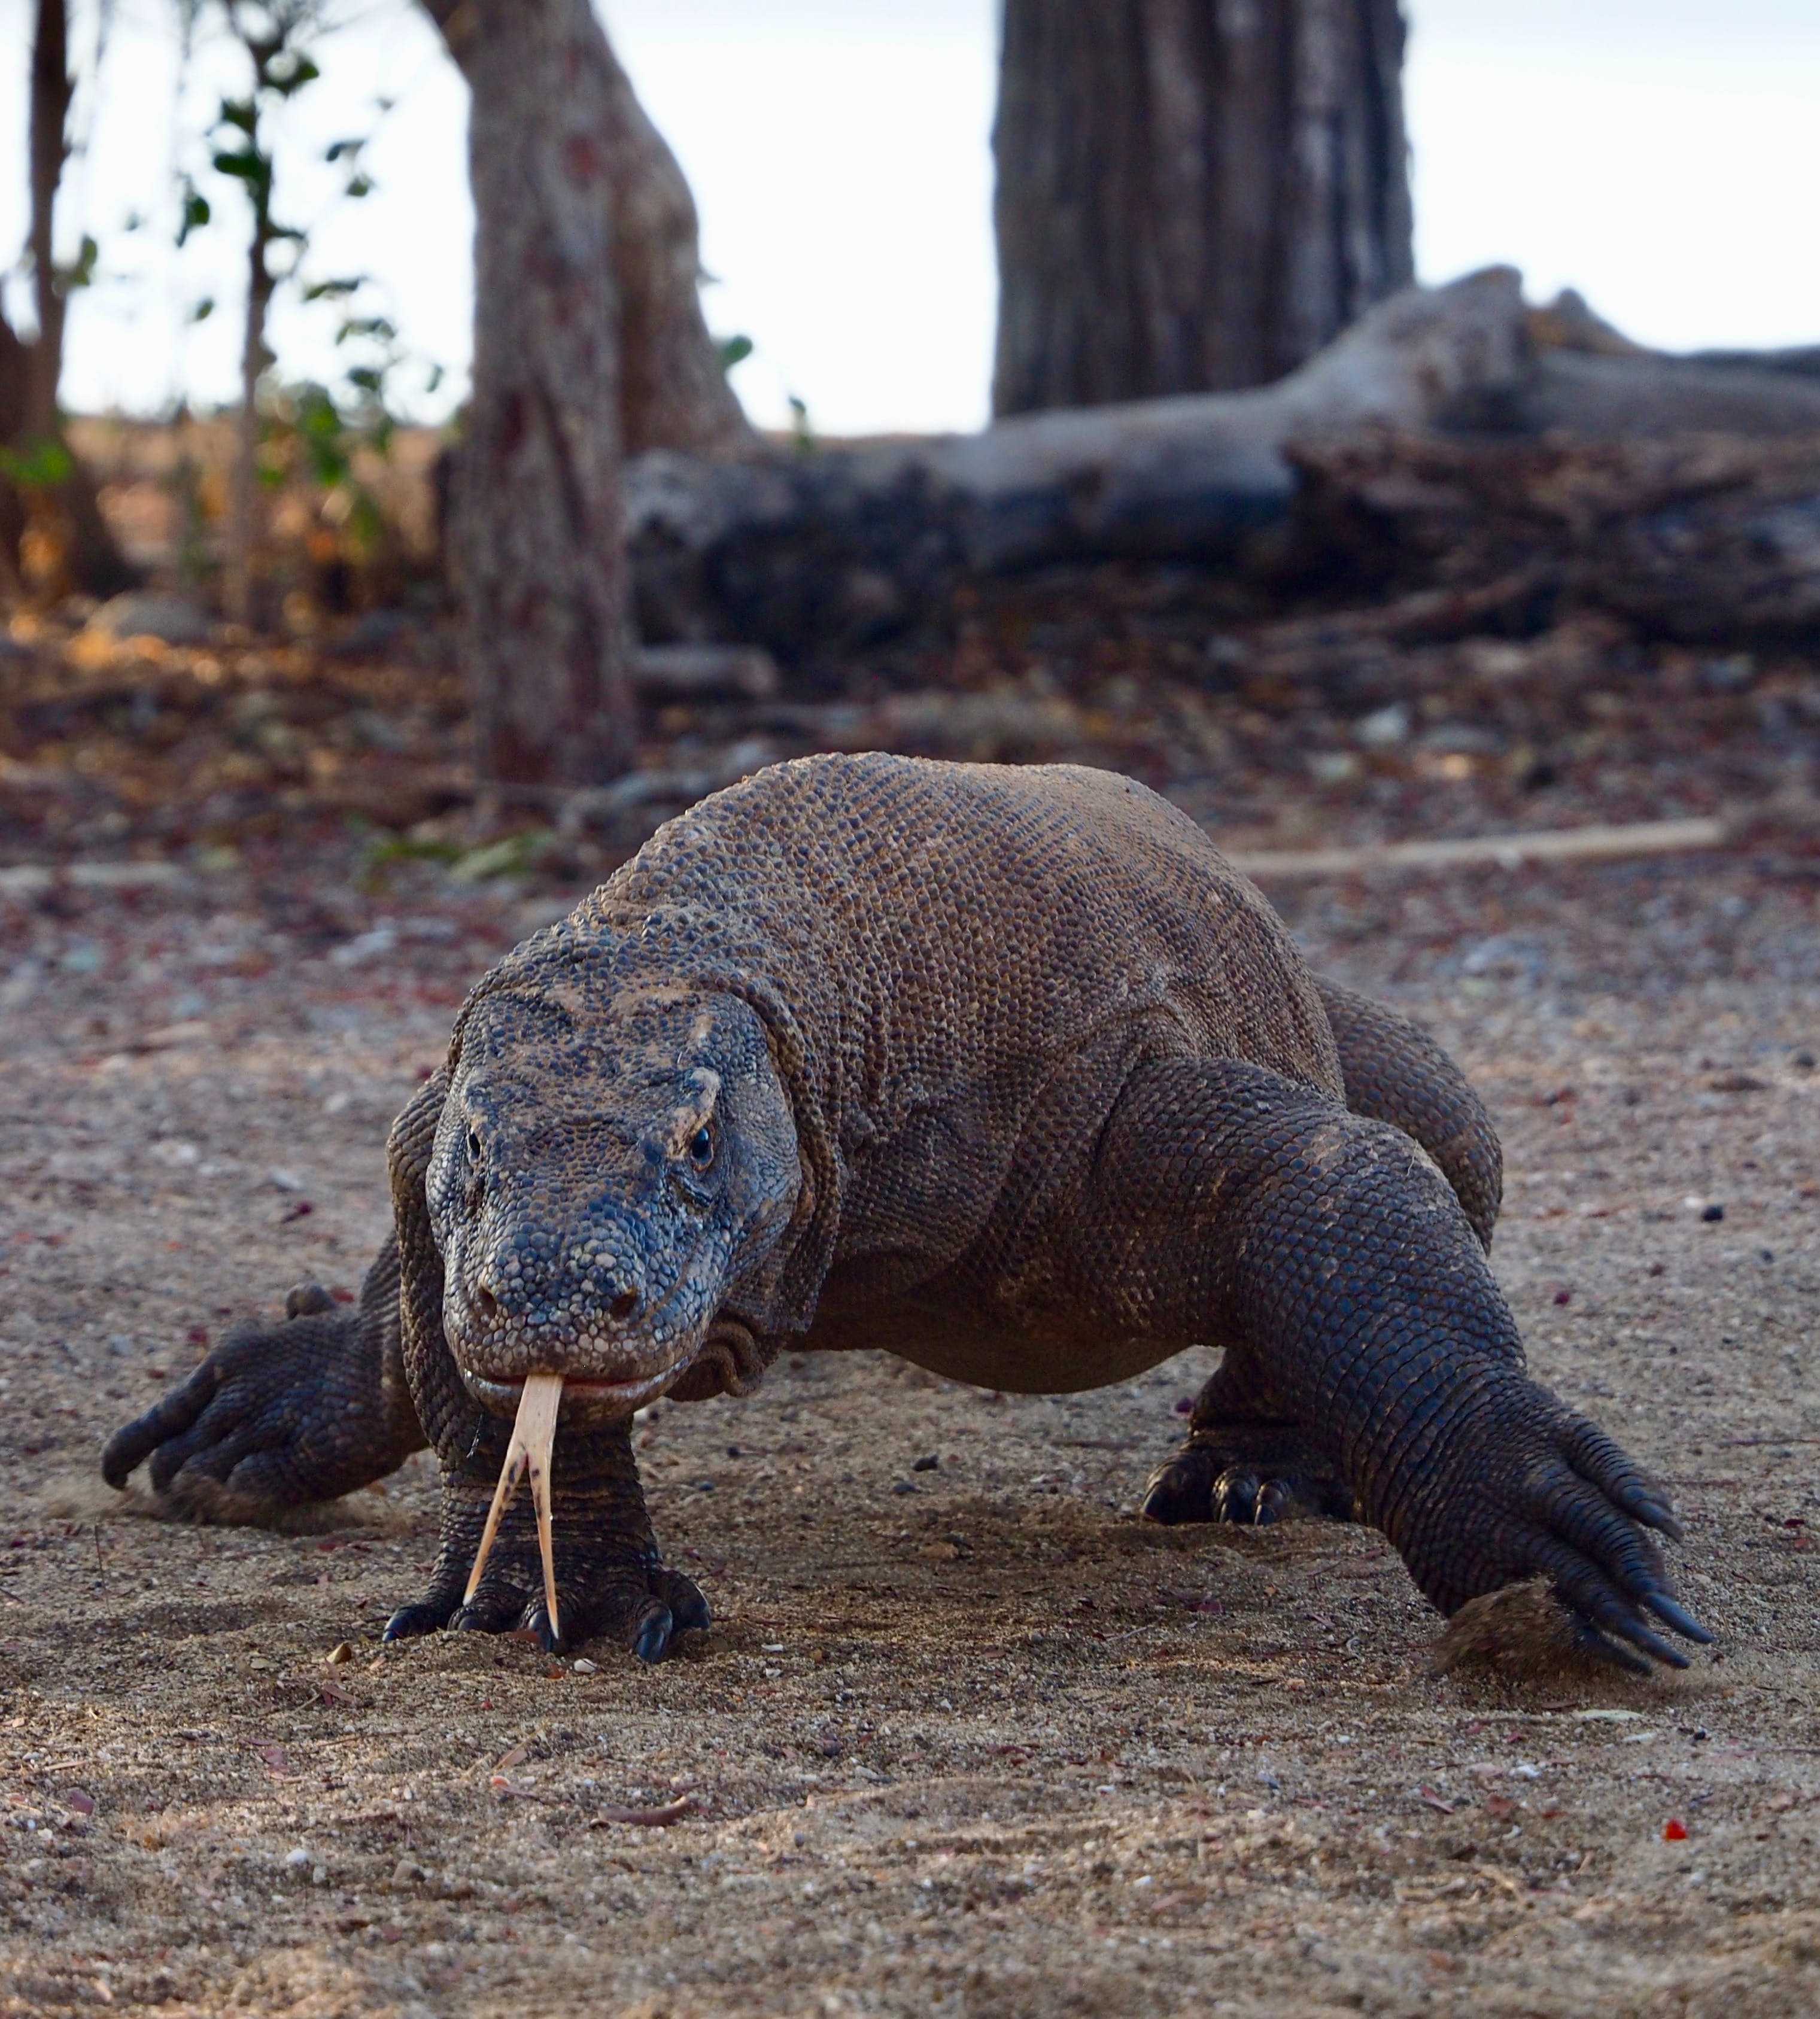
{"x": 587, "y": 1403}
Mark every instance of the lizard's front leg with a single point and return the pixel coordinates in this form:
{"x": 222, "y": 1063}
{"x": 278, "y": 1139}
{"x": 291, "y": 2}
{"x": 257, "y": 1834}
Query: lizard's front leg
{"x": 277, "y": 1416}
{"x": 1228, "y": 1203}
{"x": 610, "y": 1579}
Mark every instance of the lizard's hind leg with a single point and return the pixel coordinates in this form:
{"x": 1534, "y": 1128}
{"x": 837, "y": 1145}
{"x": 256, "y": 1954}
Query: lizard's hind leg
{"x": 1245, "y": 1460}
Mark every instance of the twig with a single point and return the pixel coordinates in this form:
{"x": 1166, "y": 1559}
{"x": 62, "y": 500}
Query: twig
{"x": 1509, "y": 851}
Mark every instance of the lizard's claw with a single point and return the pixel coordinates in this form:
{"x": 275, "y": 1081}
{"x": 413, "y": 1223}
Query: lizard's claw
{"x": 274, "y": 1416}
{"x": 1532, "y": 1488}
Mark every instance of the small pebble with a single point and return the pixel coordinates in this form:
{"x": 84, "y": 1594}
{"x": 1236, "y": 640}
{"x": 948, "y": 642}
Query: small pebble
{"x": 929, "y": 1464}
{"x": 1711, "y": 1214}
{"x": 342, "y": 1652}
{"x": 297, "y": 1860}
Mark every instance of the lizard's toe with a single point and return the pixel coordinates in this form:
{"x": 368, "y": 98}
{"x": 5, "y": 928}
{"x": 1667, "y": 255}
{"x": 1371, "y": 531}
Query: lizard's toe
{"x": 427, "y": 1616}
{"x": 1249, "y": 1478}
{"x": 1181, "y": 1489}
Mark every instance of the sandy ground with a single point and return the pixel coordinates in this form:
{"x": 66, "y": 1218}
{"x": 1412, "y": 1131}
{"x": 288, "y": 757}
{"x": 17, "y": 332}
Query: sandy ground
{"x": 966, "y": 1739}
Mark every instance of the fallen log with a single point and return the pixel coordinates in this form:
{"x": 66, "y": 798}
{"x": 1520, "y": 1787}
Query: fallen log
{"x": 812, "y": 554}
{"x": 808, "y": 553}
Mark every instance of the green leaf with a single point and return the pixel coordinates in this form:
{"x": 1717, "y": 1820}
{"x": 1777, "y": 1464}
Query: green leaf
{"x": 375, "y": 326}
{"x": 41, "y": 465}
{"x": 240, "y": 112}
{"x": 341, "y": 147}
{"x": 358, "y": 186}
{"x": 733, "y": 350}
{"x": 81, "y": 272}
{"x": 196, "y": 211}
{"x": 249, "y": 167}
{"x": 333, "y": 291}
{"x": 203, "y": 309}
{"x": 366, "y": 378}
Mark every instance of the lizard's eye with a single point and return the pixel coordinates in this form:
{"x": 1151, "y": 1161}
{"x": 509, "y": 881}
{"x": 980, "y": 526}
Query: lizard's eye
{"x": 701, "y": 1146}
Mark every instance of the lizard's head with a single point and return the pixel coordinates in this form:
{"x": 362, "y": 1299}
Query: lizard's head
{"x": 606, "y": 1169}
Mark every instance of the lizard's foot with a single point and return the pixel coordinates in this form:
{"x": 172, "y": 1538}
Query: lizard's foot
{"x": 1253, "y": 1473}
{"x": 609, "y": 1585}
{"x": 274, "y": 1417}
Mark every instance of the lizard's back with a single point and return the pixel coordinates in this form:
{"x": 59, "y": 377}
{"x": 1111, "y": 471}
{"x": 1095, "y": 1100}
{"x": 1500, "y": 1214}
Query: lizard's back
{"x": 953, "y": 940}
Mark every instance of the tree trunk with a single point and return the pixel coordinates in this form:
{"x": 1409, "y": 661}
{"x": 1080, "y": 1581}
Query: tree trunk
{"x": 29, "y": 419}
{"x": 243, "y": 489}
{"x": 51, "y": 90}
{"x": 537, "y": 538}
{"x": 1193, "y": 195}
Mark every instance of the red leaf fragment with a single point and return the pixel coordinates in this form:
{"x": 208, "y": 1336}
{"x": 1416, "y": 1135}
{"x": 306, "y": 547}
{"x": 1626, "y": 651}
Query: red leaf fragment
{"x": 1438, "y": 1803}
{"x": 273, "y": 1757}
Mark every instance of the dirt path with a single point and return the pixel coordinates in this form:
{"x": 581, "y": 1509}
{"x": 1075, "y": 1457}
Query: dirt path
{"x": 967, "y": 1739}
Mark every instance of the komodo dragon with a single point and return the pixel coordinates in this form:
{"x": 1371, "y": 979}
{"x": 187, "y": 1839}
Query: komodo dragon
{"x": 1003, "y": 1069}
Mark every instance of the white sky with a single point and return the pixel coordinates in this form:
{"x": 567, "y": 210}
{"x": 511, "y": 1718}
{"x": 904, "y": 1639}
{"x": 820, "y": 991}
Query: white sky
{"x": 1661, "y": 155}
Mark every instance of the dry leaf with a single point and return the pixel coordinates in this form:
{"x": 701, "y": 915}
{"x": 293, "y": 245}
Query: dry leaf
{"x": 671, "y": 1812}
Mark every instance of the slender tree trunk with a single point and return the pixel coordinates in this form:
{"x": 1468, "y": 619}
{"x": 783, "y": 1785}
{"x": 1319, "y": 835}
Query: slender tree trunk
{"x": 30, "y": 373}
{"x": 51, "y": 90}
{"x": 537, "y": 538}
{"x": 243, "y": 490}
{"x": 1193, "y": 195}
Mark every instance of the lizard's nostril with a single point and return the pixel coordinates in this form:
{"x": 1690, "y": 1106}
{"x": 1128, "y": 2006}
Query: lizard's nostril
{"x": 623, "y": 1307}
{"x": 485, "y": 1303}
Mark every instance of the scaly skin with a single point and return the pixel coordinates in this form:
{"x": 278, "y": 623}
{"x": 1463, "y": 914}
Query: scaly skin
{"x": 1005, "y": 1069}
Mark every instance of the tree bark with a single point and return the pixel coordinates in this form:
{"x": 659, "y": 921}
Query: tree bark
{"x": 1193, "y": 195}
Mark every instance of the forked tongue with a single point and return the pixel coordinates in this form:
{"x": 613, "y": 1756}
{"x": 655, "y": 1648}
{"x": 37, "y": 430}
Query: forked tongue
{"x": 532, "y": 1436}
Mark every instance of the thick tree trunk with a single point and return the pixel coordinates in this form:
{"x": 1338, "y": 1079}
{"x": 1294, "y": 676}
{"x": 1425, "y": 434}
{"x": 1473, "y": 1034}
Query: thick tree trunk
{"x": 1193, "y": 195}
{"x": 537, "y": 537}
{"x": 589, "y": 338}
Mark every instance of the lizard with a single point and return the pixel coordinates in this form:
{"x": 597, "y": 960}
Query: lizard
{"x": 1004, "y": 1069}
